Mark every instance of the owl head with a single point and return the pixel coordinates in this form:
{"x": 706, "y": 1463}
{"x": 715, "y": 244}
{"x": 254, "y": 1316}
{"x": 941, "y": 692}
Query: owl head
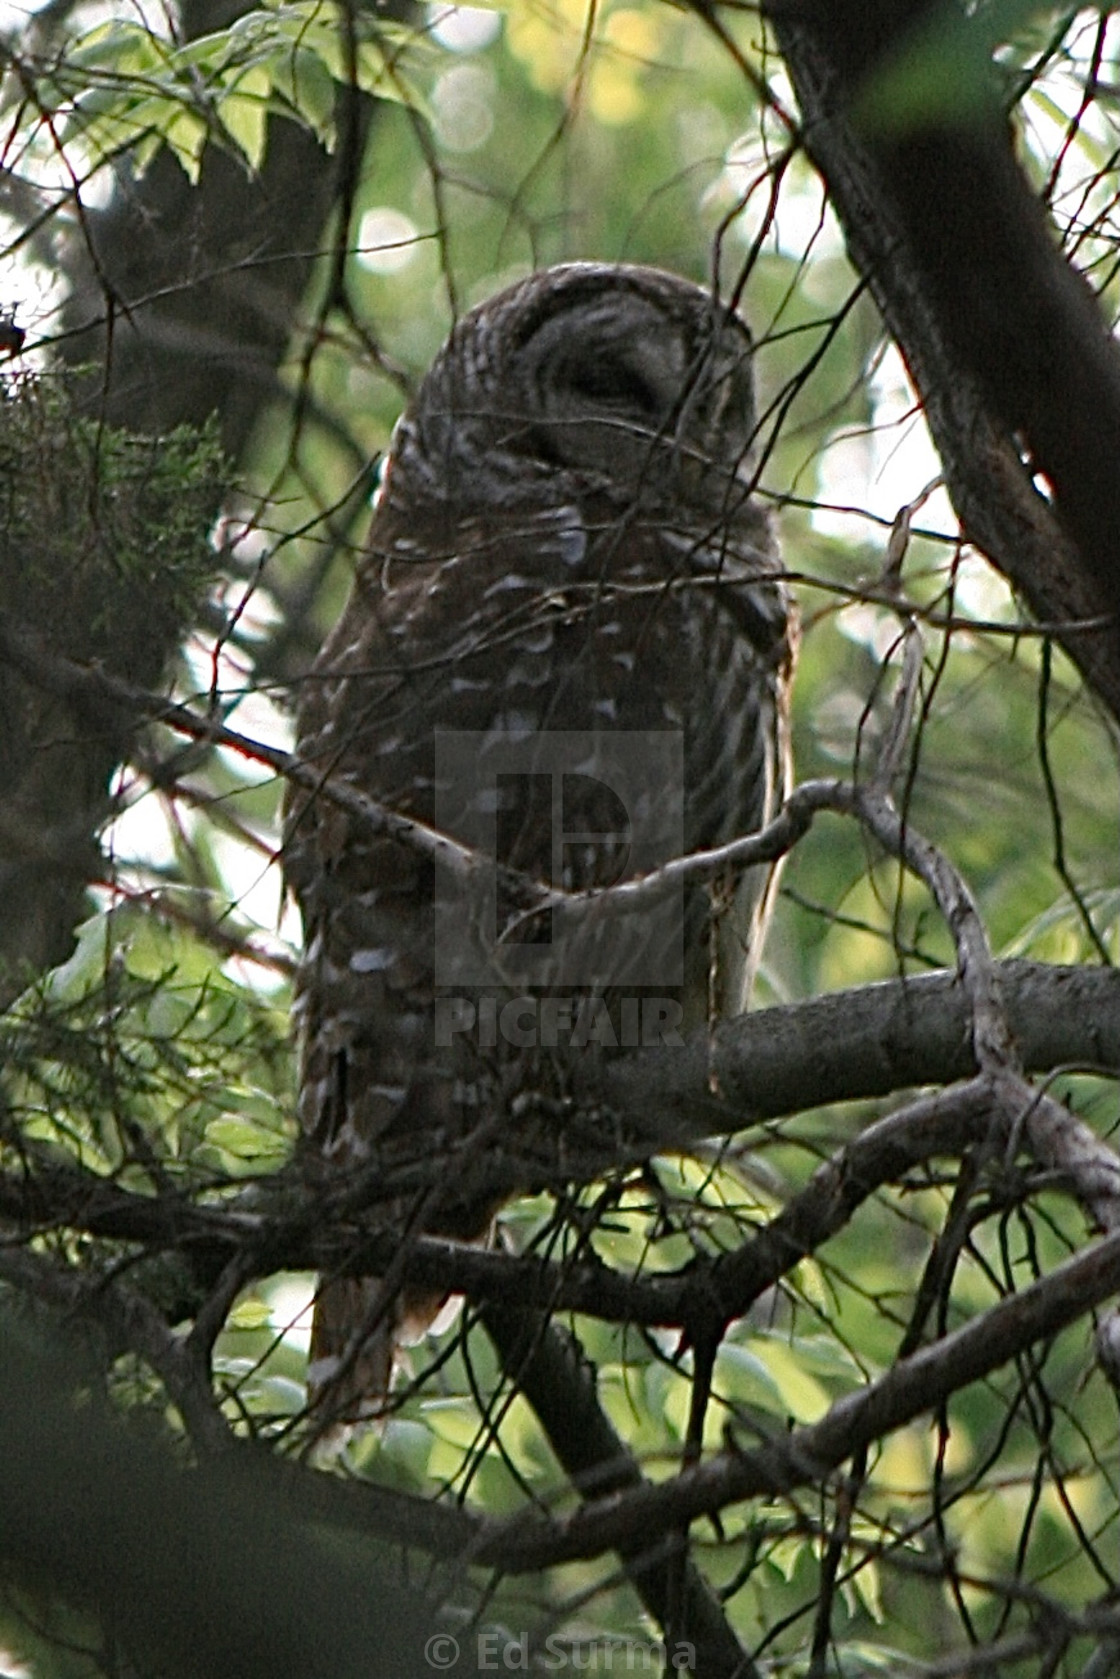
{"x": 626, "y": 380}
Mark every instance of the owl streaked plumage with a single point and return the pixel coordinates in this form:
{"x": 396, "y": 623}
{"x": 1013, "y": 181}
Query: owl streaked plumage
{"x": 565, "y": 547}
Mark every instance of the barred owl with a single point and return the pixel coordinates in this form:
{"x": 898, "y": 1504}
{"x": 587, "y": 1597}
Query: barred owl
{"x": 569, "y": 645}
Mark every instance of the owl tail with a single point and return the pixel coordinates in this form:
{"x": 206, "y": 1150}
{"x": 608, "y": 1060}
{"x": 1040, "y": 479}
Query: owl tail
{"x": 353, "y": 1349}
{"x": 356, "y": 1337}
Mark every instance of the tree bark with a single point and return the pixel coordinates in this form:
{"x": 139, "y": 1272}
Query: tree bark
{"x": 182, "y": 302}
{"x": 1004, "y": 339}
{"x": 183, "y": 296}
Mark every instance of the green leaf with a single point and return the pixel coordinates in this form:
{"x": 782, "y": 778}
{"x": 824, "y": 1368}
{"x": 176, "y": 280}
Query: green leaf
{"x": 185, "y": 134}
{"x": 123, "y": 86}
{"x": 243, "y": 113}
{"x": 247, "y": 1142}
{"x": 301, "y": 80}
{"x": 942, "y": 70}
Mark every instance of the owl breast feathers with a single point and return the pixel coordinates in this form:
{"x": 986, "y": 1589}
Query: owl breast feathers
{"x": 568, "y": 645}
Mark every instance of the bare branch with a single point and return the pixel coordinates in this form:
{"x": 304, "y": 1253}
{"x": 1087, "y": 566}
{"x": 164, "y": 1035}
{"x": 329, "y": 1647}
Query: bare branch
{"x": 807, "y": 1456}
{"x": 855, "y": 1044}
{"x": 1059, "y": 1140}
{"x": 294, "y": 1232}
{"x": 96, "y": 688}
{"x": 850, "y": 1045}
{"x": 991, "y": 1035}
{"x": 897, "y": 738}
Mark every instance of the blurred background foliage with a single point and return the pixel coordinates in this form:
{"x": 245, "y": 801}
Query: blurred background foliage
{"x": 509, "y": 137}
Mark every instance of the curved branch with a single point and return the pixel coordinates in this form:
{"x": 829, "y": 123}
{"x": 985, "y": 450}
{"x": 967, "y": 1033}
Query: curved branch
{"x": 879, "y": 1039}
{"x": 102, "y": 697}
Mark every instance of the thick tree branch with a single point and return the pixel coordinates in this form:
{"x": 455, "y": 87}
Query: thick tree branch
{"x": 1000, "y": 333}
{"x": 893, "y": 1037}
{"x": 219, "y": 1571}
{"x": 853, "y": 1044}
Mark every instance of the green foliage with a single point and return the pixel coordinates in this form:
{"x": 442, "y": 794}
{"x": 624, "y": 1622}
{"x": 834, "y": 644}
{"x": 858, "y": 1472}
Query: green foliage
{"x": 141, "y": 1058}
{"x": 99, "y": 527}
{"x": 122, "y": 86}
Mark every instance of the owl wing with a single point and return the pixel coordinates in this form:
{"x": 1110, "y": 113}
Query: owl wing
{"x": 521, "y": 624}
{"x": 449, "y": 626}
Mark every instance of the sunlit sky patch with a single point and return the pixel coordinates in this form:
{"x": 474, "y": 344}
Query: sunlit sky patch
{"x": 465, "y": 28}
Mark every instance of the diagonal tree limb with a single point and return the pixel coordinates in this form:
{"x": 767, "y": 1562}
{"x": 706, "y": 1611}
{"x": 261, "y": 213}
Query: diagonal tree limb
{"x": 808, "y": 1455}
{"x": 1002, "y": 336}
{"x": 857, "y": 1044}
{"x": 549, "y": 1368}
{"x": 100, "y": 696}
{"x": 189, "y": 1247}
